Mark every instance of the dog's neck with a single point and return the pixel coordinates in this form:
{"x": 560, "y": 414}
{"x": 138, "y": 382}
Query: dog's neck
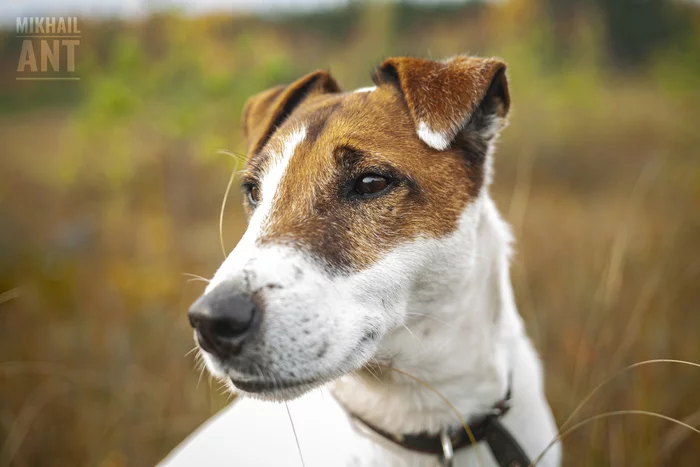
{"x": 461, "y": 328}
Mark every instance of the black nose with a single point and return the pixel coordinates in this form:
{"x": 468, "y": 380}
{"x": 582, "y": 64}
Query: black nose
{"x": 223, "y": 320}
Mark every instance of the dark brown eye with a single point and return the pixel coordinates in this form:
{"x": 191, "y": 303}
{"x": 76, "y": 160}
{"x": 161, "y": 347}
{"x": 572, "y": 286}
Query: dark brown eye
{"x": 370, "y": 184}
{"x": 253, "y": 193}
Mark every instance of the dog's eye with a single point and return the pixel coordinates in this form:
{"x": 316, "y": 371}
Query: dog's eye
{"x": 369, "y": 184}
{"x": 253, "y": 193}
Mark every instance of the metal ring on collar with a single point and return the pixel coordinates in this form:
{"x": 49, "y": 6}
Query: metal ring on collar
{"x": 447, "y": 451}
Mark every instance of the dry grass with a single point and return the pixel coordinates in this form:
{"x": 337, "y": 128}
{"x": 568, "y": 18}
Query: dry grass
{"x": 104, "y": 210}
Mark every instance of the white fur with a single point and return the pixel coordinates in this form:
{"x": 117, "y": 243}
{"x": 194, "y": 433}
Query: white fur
{"x": 366, "y": 89}
{"x": 434, "y": 139}
{"x": 277, "y": 166}
{"x": 442, "y": 309}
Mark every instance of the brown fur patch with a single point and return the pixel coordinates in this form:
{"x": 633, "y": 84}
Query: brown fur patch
{"x": 348, "y": 135}
{"x": 444, "y": 95}
{"x": 266, "y": 111}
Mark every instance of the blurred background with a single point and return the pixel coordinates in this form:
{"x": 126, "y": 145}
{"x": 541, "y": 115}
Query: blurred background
{"x": 111, "y": 188}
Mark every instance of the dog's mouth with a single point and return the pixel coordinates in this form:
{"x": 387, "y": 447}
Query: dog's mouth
{"x": 269, "y": 386}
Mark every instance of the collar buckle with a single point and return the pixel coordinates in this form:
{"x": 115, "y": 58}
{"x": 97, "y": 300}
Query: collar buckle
{"x": 447, "y": 458}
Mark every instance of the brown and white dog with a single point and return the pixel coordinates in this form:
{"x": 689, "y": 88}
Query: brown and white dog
{"x": 372, "y": 242}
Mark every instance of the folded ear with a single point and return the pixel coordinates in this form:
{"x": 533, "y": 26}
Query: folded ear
{"x": 446, "y": 98}
{"x": 265, "y": 112}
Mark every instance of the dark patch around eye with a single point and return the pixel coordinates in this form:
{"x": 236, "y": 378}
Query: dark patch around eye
{"x": 348, "y": 157}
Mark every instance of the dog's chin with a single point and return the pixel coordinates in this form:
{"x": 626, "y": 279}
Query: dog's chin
{"x": 278, "y": 391}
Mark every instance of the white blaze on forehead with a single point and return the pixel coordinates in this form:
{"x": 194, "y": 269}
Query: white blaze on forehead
{"x": 276, "y": 168}
{"x": 271, "y": 179}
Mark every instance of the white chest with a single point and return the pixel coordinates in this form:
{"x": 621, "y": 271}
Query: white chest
{"x": 251, "y": 433}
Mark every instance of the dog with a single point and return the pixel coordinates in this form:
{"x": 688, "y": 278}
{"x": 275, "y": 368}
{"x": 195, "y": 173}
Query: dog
{"x": 371, "y": 289}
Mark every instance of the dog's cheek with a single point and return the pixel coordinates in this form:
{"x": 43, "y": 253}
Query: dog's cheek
{"x": 377, "y": 298}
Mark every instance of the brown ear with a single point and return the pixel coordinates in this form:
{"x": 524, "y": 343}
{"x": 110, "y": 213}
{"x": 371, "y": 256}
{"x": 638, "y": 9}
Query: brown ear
{"x": 265, "y": 112}
{"x": 447, "y": 97}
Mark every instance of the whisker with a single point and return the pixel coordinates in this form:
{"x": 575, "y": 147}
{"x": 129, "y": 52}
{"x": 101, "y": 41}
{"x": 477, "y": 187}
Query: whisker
{"x": 235, "y": 155}
{"x": 413, "y": 335}
{"x": 468, "y": 430}
{"x": 296, "y": 438}
{"x": 426, "y": 315}
{"x": 201, "y": 372}
{"x": 259, "y": 370}
{"x": 389, "y": 355}
{"x": 578, "y": 425}
{"x": 223, "y": 207}
{"x": 223, "y": 387}
{"x": 371, "y": 371}
{"x": 195, "y": 277}
{"x": 194, "y": 349}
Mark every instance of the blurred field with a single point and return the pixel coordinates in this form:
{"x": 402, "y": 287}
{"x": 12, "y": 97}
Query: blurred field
{"x": 111, "y": 189}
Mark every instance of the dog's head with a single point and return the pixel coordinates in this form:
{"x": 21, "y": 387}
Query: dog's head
{"x": 359, "y": 206}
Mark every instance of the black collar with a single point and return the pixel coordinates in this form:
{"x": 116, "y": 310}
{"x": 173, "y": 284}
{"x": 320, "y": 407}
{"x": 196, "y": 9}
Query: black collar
{"x": 503, "y": 446}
